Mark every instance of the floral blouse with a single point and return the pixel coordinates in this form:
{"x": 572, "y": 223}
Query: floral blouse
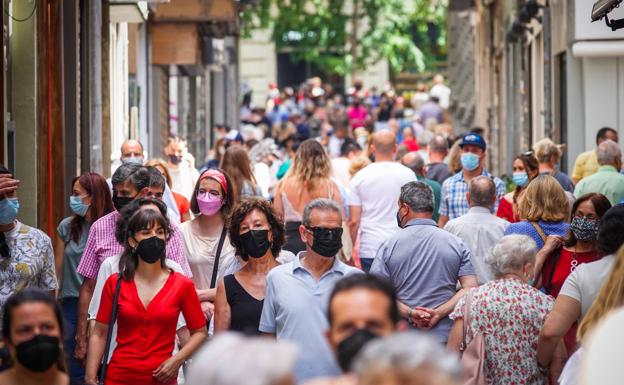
{"x": 510, "y": 313}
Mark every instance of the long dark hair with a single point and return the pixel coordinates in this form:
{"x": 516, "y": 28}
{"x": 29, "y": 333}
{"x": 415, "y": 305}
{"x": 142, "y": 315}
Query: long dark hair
{"x": 142, "y": 219}
{"x": 236, "y": 164}
{"x": 29, "y": 296}
{"x": 601, "y": 205}
{"x": 101, "y": 203}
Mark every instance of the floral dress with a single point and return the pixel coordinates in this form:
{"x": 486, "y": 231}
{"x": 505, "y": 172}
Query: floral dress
{"x": 510, "y": 314}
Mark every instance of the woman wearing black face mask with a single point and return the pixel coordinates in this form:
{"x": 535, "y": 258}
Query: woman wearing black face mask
{"x": 32, "y": 327}
{"x": 257, "y": 234}
{"x": 150, "y": 299}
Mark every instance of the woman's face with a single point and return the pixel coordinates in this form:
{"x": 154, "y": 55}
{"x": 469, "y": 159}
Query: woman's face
{"x": 587, "y": 210}
{"x": 155, "y": 230}
{"x": 255, "y": 220}
{"x": 518, "y": 166}
{"x": 30, "y": 319}
{"x": 79, "y": 191}
{"x": 211, "y": 187}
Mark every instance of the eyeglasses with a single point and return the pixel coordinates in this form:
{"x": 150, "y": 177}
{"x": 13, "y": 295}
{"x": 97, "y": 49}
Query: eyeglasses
{"x": 212, "y": 193}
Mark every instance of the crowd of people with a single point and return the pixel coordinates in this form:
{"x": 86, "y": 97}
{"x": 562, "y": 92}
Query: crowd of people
{"x": 326, "y": 241}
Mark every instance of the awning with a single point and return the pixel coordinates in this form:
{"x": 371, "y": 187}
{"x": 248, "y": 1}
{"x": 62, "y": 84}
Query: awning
{"x": 602, "y": 48}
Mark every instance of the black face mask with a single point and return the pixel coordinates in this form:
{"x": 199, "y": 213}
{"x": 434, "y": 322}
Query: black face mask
{"x": 349, "y": 348}
{"x": 121, "y": 202}
{"x": 151, "y": 249}
{"x": 399, "y": 219}
{"x": 174, "y": 159}
{"x": 255, "y": 243}
{"x": 327, "y": 242}
{"x": 39, "y": 353}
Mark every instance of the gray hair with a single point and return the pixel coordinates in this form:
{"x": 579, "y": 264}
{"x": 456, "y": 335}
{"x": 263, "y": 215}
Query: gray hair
{"x": 123, "y": 172}
{"x": 510, "y": 254}
{"x": 607, "y": 152}
{"x": 438, "y": 144}
{"x": 405, "y": 353}
{"x": 418, "y": 196}
{"x": 424, "y": 137}
{"x": 416, "y": 164}
{"x": 482, "y": 191}
{"x": 231, "y": 359}
{"x": 322, "y": 204}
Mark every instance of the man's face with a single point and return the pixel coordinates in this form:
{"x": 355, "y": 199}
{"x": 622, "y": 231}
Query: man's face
{"x": 175, "y": 149}
{"x": 473, "y": 149}
{"x": 125, "y": 190}
{"x": 359, "y": 308}
{"x": 152, "y": 192}
{"x": 131, "y": 150}
{"x": 319, "y": 218}
{"x": 610, "y": 135}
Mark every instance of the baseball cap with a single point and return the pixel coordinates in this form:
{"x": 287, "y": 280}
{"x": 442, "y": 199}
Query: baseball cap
{"x": 472, "y": 139}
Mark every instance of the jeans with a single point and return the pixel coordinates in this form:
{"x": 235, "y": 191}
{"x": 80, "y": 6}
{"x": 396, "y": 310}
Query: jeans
{"x": 70, "y": 314}
{"x": 366, "y": 264}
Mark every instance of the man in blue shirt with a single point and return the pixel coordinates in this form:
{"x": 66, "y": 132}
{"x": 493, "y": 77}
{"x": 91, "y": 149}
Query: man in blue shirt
{"x": 297, "y": 293}
{"x": 424, "y": 263}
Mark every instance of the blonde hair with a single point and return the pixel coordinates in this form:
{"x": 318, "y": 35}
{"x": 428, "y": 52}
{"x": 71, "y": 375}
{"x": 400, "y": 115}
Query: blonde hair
{"x": 544, "y": 200}
{"x": 545, "y": 149}
{"x": 610, "y": 297}
{"x": 358, "y": 163}
{"x": 311, "y": 165}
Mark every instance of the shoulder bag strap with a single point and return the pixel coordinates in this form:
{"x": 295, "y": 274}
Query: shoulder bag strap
{"x": 215, "y": 268}
{"x": 467, "y": 318}
{"x": 555, "y": 260}
{"x": 109, "y": 335}
{"x": 539, "y": 231}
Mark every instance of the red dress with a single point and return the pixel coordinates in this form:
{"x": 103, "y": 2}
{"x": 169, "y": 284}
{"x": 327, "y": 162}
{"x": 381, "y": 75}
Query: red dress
{"x": 146, "y": 337}
{"x": 562, "y": 271}
{"x": 505, "y": 211}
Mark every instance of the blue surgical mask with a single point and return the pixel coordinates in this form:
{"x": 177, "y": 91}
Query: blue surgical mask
{"x": 9, "y": 207}
{"x": 76, "y": 205}
{"x": 520, "y": 178}
{"x": 132, "y": 160}
{"x": 469, "y": 161}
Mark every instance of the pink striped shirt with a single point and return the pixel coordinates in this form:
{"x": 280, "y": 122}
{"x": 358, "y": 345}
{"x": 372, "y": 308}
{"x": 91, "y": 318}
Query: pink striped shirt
{"x": 102, "y": 244}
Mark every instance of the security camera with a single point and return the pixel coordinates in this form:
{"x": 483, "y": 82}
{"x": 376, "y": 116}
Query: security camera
{"x": 602, "y": 7}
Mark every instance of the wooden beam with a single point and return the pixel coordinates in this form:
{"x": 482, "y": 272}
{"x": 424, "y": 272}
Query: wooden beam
{"x": 196, "y": 11}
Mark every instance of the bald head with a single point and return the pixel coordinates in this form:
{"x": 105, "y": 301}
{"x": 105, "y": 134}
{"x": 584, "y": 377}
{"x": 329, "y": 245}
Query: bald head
{"x": 130, "y": 148}
{"x": 384, "y": 145}
{"x": 414, "y": 162}
{"x": 481, "y": 192}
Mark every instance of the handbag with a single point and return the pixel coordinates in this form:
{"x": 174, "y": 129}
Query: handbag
{"x": 109, "y": 335}
{"x": 473, "y": 353}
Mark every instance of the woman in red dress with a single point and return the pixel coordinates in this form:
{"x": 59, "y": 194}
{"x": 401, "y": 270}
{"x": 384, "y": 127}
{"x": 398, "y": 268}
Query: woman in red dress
{"x": 151, "y": 298}
{"x": 525, "y": 169}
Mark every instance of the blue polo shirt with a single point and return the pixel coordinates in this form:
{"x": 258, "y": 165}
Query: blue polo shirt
{"x": 424, "y": 263}
{"x": 295, "y": 309}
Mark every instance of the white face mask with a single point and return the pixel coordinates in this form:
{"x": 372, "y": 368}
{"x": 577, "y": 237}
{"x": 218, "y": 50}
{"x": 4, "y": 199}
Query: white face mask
{"x": 132, "y": 160}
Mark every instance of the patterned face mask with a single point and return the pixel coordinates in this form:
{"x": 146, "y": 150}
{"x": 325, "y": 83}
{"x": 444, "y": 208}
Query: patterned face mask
{"x": 584, "y": 229}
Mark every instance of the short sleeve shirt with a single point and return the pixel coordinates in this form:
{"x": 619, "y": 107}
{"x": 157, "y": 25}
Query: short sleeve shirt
{"x": 424, "y": 263}
{"x": 454, "y": 203}
{"x": 510, "y": 314}
{"x": 585, "y": 165}
{"x": 146, "y": 335}
{"x": 71, "y": 280}
{"x": 30, "y": 265}
{"x": 586, "y": 280}
{"x": 295, "y": 309}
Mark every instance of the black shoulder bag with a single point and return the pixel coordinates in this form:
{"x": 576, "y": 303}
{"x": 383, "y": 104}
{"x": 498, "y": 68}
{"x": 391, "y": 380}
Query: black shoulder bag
{"x": 109, "y": 336}
{"x": 215, "y": 269}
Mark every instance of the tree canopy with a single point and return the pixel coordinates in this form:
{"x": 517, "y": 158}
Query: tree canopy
{"x": 341, "y": 36}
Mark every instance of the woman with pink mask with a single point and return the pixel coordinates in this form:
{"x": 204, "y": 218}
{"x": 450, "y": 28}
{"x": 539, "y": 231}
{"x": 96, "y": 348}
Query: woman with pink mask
{"x": 208, "y": 247}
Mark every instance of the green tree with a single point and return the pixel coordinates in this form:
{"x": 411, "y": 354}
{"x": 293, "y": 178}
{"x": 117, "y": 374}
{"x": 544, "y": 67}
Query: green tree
{"x": 343, "y": 37}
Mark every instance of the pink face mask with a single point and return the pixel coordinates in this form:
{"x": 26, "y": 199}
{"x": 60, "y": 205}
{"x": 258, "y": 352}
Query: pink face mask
{"x": 209, "y": 204}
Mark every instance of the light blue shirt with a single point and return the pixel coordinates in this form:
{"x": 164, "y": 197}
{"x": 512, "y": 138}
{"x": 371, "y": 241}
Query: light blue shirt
{"x": 424, "y": 263}
{"x": 295, "y": 309}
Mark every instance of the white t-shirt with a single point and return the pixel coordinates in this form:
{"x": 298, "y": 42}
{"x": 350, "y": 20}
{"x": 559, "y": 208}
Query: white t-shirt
{"x": 443, "y": 93}
{"x": 340, "y": 171}
{"x": 586, "y": 280}
{"x": 201, "y": 253}
{"x": 183, "y": 179}
{"x": 376, "y": 189}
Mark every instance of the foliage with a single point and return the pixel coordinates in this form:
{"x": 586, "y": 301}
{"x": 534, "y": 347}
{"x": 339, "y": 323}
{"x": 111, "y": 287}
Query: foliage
{"x": 321, "y": 31}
